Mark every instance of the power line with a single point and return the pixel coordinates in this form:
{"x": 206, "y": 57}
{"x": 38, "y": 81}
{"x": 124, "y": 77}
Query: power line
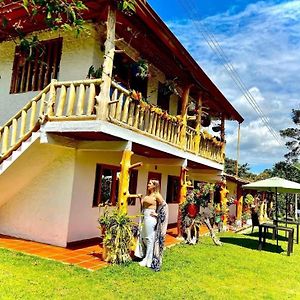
{"x": 224, "y": 60}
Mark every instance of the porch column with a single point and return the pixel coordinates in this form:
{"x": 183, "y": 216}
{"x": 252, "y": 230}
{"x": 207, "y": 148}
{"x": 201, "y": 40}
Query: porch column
{"x": 198, "y": 123}
{"x": 222, "y": 136}
{"x": 182, "y": 194}
{"x": 124, "y": 179}
{"x": 103, "y": 98}
{"x": 185, "y": 99}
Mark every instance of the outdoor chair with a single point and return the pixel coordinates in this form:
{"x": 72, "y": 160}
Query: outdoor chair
{"x": 255, "y": 219}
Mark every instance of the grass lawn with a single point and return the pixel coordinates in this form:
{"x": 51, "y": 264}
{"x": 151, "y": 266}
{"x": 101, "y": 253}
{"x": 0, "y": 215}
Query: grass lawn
{"x": 204, "y": 271}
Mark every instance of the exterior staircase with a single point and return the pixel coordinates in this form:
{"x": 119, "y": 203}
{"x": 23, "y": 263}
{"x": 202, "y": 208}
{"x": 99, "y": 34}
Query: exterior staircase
{"x": 5, "y": 164}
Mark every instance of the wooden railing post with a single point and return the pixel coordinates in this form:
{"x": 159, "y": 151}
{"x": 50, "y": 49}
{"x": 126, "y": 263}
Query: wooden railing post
{"x": 103, "y": 98}
{"x": 198, "y": 123}
{"x": 124, "y": 179}
{"x": 52, "y": 98}
{"x": 185, "y": 99}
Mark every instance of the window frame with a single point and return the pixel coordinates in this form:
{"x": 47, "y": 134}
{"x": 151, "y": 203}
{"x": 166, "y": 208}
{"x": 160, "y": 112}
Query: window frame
{"x": 114, "y": 186}
{"x": 170, "y": 199}
{"x": 33, "y": 75}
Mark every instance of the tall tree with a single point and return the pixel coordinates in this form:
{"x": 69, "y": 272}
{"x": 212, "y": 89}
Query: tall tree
{"x": 294, "y": 137}
{"x": 286, "y": 170}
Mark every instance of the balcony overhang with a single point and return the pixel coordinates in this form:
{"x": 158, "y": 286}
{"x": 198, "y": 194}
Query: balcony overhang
{"x": 105, "y": 131}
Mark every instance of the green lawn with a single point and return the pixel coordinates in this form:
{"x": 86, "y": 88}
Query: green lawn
{"x": 234, "y": 271}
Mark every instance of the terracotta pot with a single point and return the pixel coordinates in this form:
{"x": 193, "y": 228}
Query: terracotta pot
{"x": 192, "y": 210}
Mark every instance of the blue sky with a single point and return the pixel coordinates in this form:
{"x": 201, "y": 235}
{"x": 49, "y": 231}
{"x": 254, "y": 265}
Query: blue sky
{"x": 262, "y": 41}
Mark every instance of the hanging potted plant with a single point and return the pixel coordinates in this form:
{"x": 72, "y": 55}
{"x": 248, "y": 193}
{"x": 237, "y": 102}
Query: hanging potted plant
{"x": 169, "y": 87}
{"x": 141, "y": 69}
{"x": 205, "y": 120}
{"x": 94, "y": 73}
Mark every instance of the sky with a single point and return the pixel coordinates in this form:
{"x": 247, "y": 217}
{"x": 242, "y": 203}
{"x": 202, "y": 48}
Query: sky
{"x": 261, "y": 39}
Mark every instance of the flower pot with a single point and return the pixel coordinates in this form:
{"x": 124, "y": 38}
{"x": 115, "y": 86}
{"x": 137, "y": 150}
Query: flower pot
{"x": 192, "y": 210}
{"x": 205, "y": 121}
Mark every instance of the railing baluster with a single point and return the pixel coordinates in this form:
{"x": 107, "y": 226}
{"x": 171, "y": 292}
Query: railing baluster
{"x": 125, "y": 110}
{"x": 71, "y": 100}
{"x": 136, "y": 116}
{"x": 158, "y": 122}
{"x": 81, "y": 98}
{"x": 5, "y": 139}
{"x": 141, "y": 124}
{"x": 14, "y": 132}
{"x": 119, "y": 107}
{"x": 170, "y": 126}
{"x": 131, "y": 113}
{"x": 150, "y": 122}
{"x": 91, "y": 101}
{"x": 113, "y": 106}
{"x": 32, "y": 115}
{"x": 42, "y": 105}
{"x": 154, "y": 123}
{"x": 61, "y": 101}
{"x": 52, "y": 98}
{"x": 23, "y": 123}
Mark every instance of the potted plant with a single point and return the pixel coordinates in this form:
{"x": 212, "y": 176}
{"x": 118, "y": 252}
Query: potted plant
{"x": 205, "y": 120}
{"x": 141, "y": 69}
{"x": 169, "y": 87}
{"x": 94, "y": 73}
{"x": 117, "y": 230}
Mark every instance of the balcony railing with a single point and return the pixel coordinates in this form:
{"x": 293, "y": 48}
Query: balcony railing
{"x": 75, "y": 100}
{"x": 150, "y": 120}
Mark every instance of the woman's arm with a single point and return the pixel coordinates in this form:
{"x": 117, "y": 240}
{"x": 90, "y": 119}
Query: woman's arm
{"x": 159, "y": 198}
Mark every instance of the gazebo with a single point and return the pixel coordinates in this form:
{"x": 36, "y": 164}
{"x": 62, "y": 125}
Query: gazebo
{"x": 276, "y": 185}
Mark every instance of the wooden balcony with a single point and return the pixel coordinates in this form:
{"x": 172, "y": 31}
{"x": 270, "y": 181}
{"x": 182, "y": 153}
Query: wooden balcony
{"x": 76, "y": 100}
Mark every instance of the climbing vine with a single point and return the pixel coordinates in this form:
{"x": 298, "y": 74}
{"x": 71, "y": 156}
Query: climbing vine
{"x": 56, "y": 14}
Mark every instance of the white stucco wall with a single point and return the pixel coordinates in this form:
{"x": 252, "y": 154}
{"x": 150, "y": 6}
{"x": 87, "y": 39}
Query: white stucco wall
{"x": 83, "y": 217}
{"x": 39, "y": 209}
{"x": 78, "y": 54}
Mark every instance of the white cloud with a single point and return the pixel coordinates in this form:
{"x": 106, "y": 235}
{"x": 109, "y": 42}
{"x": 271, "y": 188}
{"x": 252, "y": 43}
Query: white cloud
{"x": 263, "y": 44}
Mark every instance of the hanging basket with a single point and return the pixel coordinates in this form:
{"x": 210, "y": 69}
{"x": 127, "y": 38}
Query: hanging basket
{"x": 205, "y": 120}
{"x": 216, "y": 128}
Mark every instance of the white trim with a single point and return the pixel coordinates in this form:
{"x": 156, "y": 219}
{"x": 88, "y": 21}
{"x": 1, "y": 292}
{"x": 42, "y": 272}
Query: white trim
{"x": 129, "y": 135}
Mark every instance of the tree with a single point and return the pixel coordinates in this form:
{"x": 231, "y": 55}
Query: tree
{"x": 243, "y": 170}
{"x": 56, "y": 14}
{"x": 286, "y": 170}
{"x": 294, "y": 135}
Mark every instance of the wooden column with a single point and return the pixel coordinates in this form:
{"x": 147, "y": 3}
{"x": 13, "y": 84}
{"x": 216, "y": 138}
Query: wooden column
{"x": 182, "y": 194}
{"x": 238, "y": 151}
{"x": 124, "y": 179}
{"x": 104, "y": 97}
{"x": 222, "y": 136}
{"x": 185, "y": 99}
{"x": 198, "y": 123}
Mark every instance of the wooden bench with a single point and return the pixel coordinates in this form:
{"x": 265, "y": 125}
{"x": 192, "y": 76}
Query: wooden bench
{"x": 263, "y": 229}
{"x": 290, "y": 222}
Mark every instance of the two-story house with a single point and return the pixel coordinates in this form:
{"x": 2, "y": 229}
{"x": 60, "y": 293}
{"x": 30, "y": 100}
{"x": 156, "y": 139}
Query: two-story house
{"x": 63, "y": 134}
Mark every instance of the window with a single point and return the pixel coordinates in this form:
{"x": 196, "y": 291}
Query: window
{"x": 107, "y": 185}
{"x": 35, "y": 72}
{"x": 173, "y": 189}
{"x": 133, "y": 185}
